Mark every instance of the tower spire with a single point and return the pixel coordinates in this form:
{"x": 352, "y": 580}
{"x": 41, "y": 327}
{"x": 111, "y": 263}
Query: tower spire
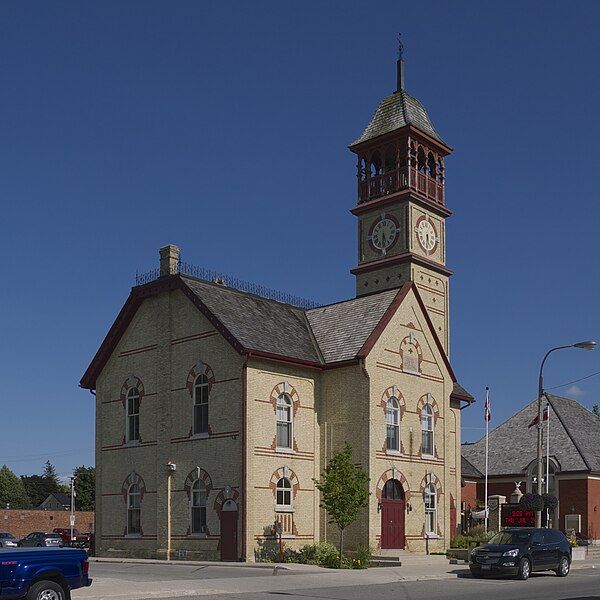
{"x": 400, "y": 65}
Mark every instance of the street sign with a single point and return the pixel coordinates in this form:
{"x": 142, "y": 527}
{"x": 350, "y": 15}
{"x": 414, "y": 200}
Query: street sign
{"x": 72, "y": 520}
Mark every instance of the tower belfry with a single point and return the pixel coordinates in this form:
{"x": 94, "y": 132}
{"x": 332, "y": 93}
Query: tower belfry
{"x": 401, "y": 204}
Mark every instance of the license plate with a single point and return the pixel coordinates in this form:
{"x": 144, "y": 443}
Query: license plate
{"x": 486, "y": 567}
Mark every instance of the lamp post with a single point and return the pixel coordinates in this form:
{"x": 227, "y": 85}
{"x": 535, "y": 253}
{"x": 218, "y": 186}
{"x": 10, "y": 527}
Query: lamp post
{"x": 587, "y": 345}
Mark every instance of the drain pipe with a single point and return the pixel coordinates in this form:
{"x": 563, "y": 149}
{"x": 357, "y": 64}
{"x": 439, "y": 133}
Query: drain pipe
{"x": 171, "y": 468}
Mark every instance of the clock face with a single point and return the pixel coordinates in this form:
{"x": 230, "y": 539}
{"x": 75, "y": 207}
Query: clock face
{"x": 384, "y": 233}
{"x": 426, "y": 234}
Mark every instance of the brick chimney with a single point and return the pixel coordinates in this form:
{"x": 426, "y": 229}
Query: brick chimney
{"x": 169, "y": 260}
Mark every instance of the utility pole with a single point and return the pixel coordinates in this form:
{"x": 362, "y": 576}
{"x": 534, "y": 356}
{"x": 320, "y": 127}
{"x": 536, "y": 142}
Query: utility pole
{"x": 72, "y": 517}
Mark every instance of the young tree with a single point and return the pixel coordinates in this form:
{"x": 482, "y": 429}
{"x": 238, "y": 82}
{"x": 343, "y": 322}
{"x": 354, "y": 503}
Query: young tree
{"x": 344, "y": 491}
{"x": 12, "y": 490}
{"x": 85, "y": 487}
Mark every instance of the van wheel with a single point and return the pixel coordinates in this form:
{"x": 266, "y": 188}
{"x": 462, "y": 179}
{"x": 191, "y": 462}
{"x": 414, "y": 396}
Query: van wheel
{"x": 47, "y": 590}
{"x": 563, "y": 567}
{"x": 524, "y": 569}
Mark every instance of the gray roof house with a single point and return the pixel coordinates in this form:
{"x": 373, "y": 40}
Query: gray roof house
{"x": 56, "y": 501}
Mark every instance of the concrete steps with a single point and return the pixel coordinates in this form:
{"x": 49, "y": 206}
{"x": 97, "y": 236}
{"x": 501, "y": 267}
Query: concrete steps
{"x": 385, "y": 561}
{"x": 593, "y": 552}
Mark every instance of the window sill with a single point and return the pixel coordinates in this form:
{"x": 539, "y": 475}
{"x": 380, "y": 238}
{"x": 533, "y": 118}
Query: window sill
{"x": 133, "y": 443}
{"x": 433, "y": 536}
{"x": 428, "y": 456}
{"x": 133, "y": 536}
{"x": 284, "y": 509}
{"x": 200, "y": 436}
{"x": 198, "y": 536}
{"x": 393, "y": 452}
{"x": 285, "y": 450}
{"x": 416, "y": 373}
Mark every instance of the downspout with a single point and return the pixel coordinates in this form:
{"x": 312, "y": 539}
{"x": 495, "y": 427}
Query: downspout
{"x": 244, "y": 485}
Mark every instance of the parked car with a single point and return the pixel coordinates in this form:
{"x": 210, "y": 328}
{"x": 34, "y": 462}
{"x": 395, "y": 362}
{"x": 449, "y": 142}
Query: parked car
{"x": 7, "y": 540}
{"x": 521, "y": 551}
{"x": 42, "y": 573}
{"x": 40, "y": 538}
{"x": 79, "y": 540}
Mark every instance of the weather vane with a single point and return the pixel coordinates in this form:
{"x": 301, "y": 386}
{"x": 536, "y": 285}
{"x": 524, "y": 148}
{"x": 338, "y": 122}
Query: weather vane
{"x": 400, "y": 46}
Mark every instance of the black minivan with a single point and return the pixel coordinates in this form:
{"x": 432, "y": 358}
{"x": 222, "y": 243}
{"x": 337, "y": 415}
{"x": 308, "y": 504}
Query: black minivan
{"x": 521, "y": 551}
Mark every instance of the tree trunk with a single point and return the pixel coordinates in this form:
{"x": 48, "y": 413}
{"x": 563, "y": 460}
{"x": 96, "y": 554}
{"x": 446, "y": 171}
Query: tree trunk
{"x": 341, "y": 545}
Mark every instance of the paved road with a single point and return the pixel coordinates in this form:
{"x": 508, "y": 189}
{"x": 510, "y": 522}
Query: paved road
{"x": 118, "y": 581}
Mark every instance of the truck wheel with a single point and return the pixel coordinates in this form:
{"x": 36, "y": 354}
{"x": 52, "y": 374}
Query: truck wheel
{"x": 47, "y": 590}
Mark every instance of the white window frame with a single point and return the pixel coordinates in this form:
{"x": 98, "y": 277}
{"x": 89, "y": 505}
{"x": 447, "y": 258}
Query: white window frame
{"x": 198, "y": 495}
{"x": 431, "y": 510}
{"x": 135, "y": 508}
{"x": 427, "y": 427}
{"x": 202, "y": 388}
{"x": 285, "y": 403}
{"x": 392, "y": 417}
{"x": 132, "y": 417}
{"x": 285, "y": 490}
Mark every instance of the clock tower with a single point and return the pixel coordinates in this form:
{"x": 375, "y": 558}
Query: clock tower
{"x": 401, "y": 206}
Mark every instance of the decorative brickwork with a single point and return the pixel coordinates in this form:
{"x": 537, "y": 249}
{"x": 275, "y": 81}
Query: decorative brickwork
{"x": 192, "y": 477}
{"x": 199, "y": 369}
{"x": 285, "y": 388}
{"x": 392, "y": 473}
{"x": 131, "y": 382}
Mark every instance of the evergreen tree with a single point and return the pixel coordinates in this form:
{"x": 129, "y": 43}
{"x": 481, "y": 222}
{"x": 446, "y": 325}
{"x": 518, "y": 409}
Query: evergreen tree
{"x": 344, "y": 491}
{"x": 85, "y": 487}
{"x": 38, "y": 488}
{"x": 12, "y": 490}
{"x": 50, "y": 474}
{"x": 596, "y": 409}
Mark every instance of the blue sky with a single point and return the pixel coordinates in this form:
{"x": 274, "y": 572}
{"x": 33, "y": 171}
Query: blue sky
{"x": 223, "y": 126}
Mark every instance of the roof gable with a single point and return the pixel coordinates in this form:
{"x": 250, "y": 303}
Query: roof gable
{"x": 574, "y": 434}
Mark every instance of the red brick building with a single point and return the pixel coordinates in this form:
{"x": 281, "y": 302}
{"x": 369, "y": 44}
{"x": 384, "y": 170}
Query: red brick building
{"x": 574, "y": 463}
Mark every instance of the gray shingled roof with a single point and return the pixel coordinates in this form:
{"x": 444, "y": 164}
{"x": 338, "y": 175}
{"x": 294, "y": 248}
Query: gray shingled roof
{"x": 341, "y": 329}
{"x": 396, "y": 111}
{"x": 459, "y": 390}
{"x": 323, "y": 335}
{"x": 574, "y": 435}
{"x": 258, "y": 323}
{"x": 468, "y": 470}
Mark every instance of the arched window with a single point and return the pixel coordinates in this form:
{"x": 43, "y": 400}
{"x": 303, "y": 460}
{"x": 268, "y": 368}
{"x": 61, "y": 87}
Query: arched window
{"x": 427, "y": 430}
{"x": 198, "y": 507}
{"x": 430, "y": 498}
{"x": 392, "y": 490}
{"x": 201, "y": 404}
{"x": 392, "y": 413}
{"x": 283, "y": 493}
{"x": 134, "y": 506}
{"x": 284, "y": 421}
{"x": 431, "y": 165}
{"x": 421, "y": 162}
{"x": 133, "y": 415}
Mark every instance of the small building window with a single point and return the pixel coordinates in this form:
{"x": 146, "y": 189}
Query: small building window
{"x": 198, "y": 507}
{"x": 134, "y": 505}
{"x": 284, "y": 421}
{"x": 427, "y": 445}
{"x": 284, "y": 493}
{"x": 133, "y": 415}
{"x": 393, "y": 425}
{"x": 430, "y": 498}
{"x": 201, "y": 404}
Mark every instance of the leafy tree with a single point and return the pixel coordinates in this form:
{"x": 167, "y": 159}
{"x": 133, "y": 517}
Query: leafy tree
{"x": 38, "y": 488}
{"x": 344, "y": 491}
{"x": 596, "y": 409}
{"x": 12, "y": 490}
{"x": 532, "y": 501}
{"x": 85, "y": 487}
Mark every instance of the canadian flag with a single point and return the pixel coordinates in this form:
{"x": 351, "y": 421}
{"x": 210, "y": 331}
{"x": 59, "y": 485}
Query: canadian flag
{"x": 537, "y": 419}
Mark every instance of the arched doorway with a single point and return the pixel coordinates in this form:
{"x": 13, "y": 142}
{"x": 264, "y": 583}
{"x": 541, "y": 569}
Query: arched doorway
{"x": 392, "y": 515}
{"x": 229, "y": 518}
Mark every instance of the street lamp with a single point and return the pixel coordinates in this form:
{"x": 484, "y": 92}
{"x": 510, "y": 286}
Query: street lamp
{"x": 587, "y": 345}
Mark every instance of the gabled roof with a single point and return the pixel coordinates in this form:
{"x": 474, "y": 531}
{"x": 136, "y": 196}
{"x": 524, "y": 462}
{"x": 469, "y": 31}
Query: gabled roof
{"x": 322, "y": 337}
{"x": 341, "y": 329}
{"x": 397, "y": 111}
{"x": 574, "y": 435}
{"x": 60, "y": 497}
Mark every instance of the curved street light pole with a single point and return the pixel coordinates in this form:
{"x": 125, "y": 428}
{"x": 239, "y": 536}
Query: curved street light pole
{"x": 587, "y": 345}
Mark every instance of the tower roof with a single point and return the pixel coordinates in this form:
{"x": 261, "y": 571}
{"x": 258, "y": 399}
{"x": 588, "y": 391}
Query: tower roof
{"x": 397, "y": 111}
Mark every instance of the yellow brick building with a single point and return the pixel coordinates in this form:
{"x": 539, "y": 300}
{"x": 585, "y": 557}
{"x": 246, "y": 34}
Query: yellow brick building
{"x": 218, "y": 404}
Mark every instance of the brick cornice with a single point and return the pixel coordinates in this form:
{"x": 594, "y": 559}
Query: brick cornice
{"x": 400, "y": 259}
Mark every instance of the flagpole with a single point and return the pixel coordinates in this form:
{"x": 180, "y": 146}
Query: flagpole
{"x": 487, "y": 430}
{"x": 547, "y": 457}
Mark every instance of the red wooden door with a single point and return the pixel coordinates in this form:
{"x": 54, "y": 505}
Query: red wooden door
{"x": 392, "y": 524}
{"x": 229, "y": 532}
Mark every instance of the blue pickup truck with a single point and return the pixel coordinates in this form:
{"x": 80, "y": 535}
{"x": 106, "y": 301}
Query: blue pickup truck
{"x": 42, "y": 573}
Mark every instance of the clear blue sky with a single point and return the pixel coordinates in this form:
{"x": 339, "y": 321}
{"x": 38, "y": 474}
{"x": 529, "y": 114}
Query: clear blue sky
{"x": 222, "y": 127}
